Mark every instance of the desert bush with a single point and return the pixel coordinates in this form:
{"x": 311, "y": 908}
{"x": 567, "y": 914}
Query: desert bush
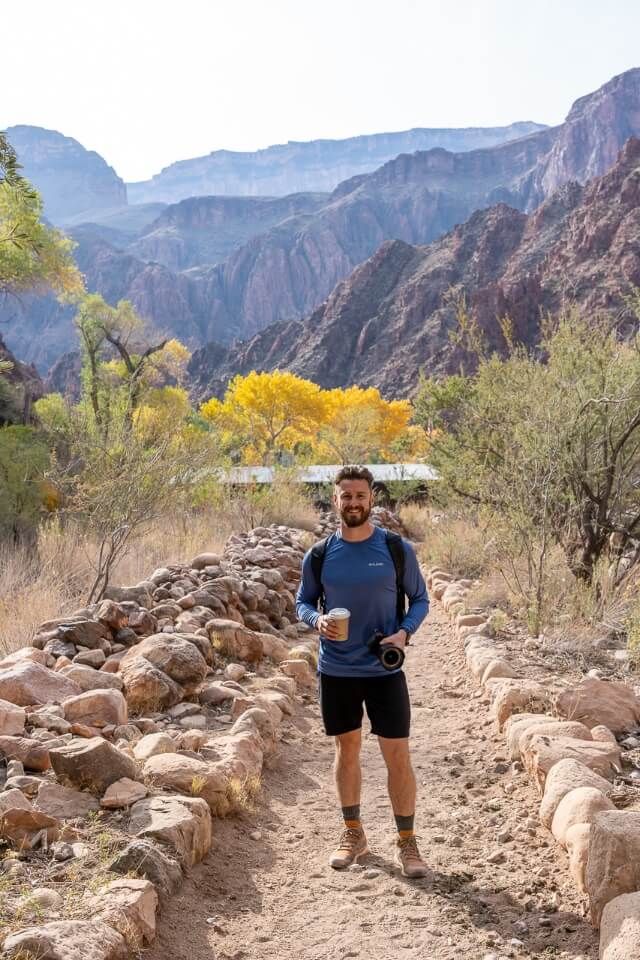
{"x": 281, "y": 502}
{"x": 457, "y": 544}
{"x": 416, "y": 519}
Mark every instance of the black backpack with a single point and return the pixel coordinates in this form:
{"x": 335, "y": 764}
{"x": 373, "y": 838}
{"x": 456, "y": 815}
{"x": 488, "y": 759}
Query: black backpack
{"x": 396, "y": 549}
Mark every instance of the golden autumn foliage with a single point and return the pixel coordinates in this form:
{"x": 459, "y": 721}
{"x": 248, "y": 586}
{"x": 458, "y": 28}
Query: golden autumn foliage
{"x": 264, "y": 416}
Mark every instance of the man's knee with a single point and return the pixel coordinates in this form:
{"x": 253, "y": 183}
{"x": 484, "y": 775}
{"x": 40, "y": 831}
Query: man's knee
{"x": 348, "y": 747}
{"x": 396, "y": 753}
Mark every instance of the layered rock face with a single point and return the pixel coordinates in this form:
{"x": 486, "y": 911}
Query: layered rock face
{"x": 24, "y": 387}
{"x": 71, "y": 180}
{"x": 285, "y": 271}
{"x": 316, "y": 165}
{"x": 206, "y": 230}
{"x": 392, "y": 316}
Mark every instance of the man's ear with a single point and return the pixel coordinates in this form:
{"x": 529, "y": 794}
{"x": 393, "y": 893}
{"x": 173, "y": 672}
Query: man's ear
{"x": 334, "y": 498}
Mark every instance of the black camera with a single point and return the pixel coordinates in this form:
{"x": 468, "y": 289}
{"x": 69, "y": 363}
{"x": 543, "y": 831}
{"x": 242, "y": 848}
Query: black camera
{"x": 389, "y": 656}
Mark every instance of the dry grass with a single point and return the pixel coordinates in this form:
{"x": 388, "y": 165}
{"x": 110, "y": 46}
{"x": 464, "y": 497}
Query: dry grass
{"x": 457, "y": 544}
{"x": 417, "y": 520}
{"x": 53, "y": 578}
{"x": 283, "y": 502}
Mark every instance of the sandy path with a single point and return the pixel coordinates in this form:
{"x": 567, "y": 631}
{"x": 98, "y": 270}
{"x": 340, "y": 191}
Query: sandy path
{"x": 276, "y": 897}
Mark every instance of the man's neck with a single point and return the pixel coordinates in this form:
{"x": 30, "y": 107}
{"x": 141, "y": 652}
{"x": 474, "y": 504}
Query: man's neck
{"x": 355, "y": 534}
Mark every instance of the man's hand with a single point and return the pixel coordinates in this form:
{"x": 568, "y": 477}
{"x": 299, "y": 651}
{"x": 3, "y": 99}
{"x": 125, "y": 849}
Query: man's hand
{"x": 327, "y": 627}
{"x": 398, "y": 639}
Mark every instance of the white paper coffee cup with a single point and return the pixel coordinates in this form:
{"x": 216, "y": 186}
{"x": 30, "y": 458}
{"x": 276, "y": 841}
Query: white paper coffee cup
{"x": 341, "y": 617}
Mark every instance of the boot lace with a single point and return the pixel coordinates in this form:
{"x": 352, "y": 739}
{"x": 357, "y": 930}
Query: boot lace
{"x": 350, "y": 838}
{"x": 409, "y": 848}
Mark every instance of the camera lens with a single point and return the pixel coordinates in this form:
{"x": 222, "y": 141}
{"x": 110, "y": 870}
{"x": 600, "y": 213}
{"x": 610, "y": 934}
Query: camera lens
{"x": 392, "y": 658}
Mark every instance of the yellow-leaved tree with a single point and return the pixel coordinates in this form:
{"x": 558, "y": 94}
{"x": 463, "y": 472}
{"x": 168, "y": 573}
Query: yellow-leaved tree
{"x": 360, "y": 425}
{"x": 264, "y": 415}
{"x": 268, "y": 418}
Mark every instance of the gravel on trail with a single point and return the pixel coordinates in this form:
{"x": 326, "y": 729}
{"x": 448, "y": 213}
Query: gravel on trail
{"x": 499, "y": 886}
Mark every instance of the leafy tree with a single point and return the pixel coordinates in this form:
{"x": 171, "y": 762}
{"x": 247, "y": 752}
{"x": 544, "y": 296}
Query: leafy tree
{"x": 24, "y": 458}
{"x": 548, "y": 444}
{"x": 120, "y": 363}
{"x": 359, "y": 425}
{"x": 33, "y": 256}
{"x": 266, "y": 413}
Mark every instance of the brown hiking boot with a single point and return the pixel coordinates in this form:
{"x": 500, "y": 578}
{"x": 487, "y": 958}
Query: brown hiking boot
{"x": 409, "y": 858}
{"x": 352, "y": 846}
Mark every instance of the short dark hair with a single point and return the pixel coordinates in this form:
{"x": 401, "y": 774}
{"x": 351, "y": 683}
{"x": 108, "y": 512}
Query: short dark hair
{"x": 354, "y": 472}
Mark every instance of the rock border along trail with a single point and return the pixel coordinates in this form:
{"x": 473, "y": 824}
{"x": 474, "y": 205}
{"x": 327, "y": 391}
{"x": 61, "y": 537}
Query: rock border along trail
{"x": 498, "y": 886}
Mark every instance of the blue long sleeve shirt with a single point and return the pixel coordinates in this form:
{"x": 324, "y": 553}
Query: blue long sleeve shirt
{"x": 360, "y": 576}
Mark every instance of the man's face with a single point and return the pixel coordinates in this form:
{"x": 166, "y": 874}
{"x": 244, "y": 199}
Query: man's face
{"x": 353, "y": 501}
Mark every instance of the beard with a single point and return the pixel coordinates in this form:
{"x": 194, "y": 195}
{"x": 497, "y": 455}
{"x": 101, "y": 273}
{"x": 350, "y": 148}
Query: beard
{"x": 355, "y": 516}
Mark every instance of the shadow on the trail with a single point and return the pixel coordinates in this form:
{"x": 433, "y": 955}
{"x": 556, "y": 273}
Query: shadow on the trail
{"x": 494, "y": 909}
{"x": 222, "y": 887}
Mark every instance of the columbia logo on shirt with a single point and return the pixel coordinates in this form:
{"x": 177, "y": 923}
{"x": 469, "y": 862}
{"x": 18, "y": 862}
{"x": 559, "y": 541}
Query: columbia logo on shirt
{"x": 376, "y": 564}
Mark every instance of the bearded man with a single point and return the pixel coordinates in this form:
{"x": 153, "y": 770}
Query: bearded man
{"x": 358, "y": 568}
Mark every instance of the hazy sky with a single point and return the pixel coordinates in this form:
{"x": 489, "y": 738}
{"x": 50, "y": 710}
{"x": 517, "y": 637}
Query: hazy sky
{"x": 147, "y": 82}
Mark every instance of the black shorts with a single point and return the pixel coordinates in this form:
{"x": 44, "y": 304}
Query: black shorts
{"x": 386, "y": 699}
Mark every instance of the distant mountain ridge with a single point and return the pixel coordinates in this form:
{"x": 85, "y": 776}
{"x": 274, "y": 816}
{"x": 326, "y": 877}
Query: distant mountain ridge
{"x": 392, "y": 316}
{"x": 71, "y": 179}
{"x": 307, "y": 167}
{"x": 280, "y": 271}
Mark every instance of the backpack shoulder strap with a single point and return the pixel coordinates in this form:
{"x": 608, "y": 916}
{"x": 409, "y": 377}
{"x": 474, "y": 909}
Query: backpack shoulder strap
{"x": 396, "y": 549}
{"x": 318, "y": 551}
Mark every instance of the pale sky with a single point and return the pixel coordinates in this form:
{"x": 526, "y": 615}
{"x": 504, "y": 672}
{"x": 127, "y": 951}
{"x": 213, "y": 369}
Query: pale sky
{"x": 148, "y": 82}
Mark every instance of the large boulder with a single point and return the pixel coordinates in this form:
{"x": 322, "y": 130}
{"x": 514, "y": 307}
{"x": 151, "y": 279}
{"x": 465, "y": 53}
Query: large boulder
{"x": 146, "y": 687}
{"x": 613, "y": 867}
{"x": 27, "y": 682}
{"x": 620, "y": 928}
{"x": 97, "y": 708}
{"x": 67, "y": 940}
{"x": 92, "y": 764}
{"x": 543, "y": 752}
{"x": 181, "y": 823}
{"x": 567, "y": 775}
{"x": 188, "y": 775}
{"x": 600, "y": 702}
{"x": 509, "y": 696}
{"x": 152, "y": 744}
{"x": 89, "y": 678}
{"x": 149, "y": 860}
{"x": 235, "y": 640}
{"x": 64, "y": 803}
{"x": 161, "y": 670}
{"x": 577, "y": 844}
{"x": 516, "y": 725}
{"x": 33, "y": 754}
{"x": 85, "y": 633}
{"x": 130, "y": 906}
{"x": 20, "y": 824}
{"x": 554, "y": 728}
{"x": 578, "y": 806}
{"x": 12, "y": 719}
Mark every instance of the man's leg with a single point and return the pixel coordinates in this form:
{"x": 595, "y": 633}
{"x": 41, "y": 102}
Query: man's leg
{"x": 353, "y": 842}
{"x": 400, "y": 779}
{"x": 402, "y": 793}
{"x": 348, "y": 775}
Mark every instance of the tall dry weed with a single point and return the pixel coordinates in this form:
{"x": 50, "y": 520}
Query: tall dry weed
{"x": 458, "y": 544}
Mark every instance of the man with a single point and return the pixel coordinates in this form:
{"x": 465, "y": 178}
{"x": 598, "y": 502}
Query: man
{"x": 358, "y": 572}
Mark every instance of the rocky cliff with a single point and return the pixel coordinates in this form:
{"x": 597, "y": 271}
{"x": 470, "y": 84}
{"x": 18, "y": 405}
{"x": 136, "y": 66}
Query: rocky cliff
{"x": 206, "y": 230}
{"x": 71, "y": 180}
{"x": 20, "y": 386}
{"x": 319, "y": 165}
{"x": 286, "y": 268}
{"x": 392, "y": 317}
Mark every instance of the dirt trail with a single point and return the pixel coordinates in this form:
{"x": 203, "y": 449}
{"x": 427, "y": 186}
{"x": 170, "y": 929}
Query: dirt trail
{"x": 276, "y": 897}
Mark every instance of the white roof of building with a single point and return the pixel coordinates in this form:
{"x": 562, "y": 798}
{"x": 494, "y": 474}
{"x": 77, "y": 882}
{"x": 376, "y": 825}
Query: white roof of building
{"x": 324, "y": 473}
